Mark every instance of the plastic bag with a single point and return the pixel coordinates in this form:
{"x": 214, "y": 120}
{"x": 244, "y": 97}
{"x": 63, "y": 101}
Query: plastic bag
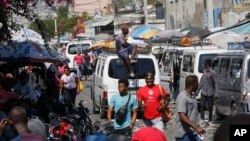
{"x": 80, "y": 86}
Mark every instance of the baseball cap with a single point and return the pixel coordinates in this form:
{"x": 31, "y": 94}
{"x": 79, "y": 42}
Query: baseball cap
{"x": 149, "y": 134}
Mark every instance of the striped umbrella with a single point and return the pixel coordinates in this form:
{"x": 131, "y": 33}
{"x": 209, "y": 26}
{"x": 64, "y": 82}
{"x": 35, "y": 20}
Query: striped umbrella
{"x": 144, "y": 32}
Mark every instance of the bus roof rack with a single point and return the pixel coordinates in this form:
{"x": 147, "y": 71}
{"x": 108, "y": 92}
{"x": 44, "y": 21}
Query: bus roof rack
{"x": 140, "y": 50}
{"x": 194, "y": 42}
{"x": 184, "y": 42}
{"x": 238, "y": 45}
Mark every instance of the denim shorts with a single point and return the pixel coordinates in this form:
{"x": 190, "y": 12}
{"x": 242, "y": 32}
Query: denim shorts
{"x": 156, "y": 123}
{"x": 124, "y": 53}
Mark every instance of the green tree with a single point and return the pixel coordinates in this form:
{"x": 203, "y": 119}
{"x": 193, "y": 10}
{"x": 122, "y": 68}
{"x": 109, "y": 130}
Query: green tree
{"x": 64, "y": 23}
{"x": 86, "y": 16}
{"x": 44, "y": 27}
{"x": 63, "y": 12}
{"x": 23, "y": 8}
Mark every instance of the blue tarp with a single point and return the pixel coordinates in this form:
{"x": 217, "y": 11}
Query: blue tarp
{"x": 137, "y": 31}
{"x": 240, "y": 28}
{"x": 243, "y": 29}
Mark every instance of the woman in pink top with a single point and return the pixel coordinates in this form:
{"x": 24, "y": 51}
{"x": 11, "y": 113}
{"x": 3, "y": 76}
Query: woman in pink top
{"x": 78, "y": 62}
{"x": 61, "y": 67}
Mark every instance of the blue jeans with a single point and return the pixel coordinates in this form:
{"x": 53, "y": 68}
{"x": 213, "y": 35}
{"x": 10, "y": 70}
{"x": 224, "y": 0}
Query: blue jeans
{"x": 245, "y": 106}
{"x": 189, "y": 137}
{"x": 78, "y": 70}
{"x": 124, "y": 53}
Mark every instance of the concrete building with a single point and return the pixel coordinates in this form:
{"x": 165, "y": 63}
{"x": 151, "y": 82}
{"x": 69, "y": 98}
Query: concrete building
{"x": 91, "y": 6}
{"x": 205, "y": 13}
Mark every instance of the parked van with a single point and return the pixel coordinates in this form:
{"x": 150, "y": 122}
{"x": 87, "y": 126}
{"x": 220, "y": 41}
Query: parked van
{"x": 193, "y": 63}
{"x": 170, "y": 62}
{"x": 73, "y": 47}
{"x": 233, "y": 69}
{"x": 109, "y": 69}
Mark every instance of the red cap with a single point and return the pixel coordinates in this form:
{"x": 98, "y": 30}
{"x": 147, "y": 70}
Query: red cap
{"x": 149, "y": 134}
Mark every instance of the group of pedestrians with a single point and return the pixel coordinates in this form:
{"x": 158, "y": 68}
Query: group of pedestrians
{"x": 82, "y": 62}
{"x": 152, "y": 99}
{"x": 188, "y": 123}
{"x": 18, "y": 125}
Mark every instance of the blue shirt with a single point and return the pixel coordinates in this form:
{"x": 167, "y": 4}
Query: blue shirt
{"x": 25, "y": 90}
{"x": 117, "y": 101}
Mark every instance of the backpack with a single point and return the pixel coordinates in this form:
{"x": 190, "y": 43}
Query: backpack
{"x": 121, "y": 113}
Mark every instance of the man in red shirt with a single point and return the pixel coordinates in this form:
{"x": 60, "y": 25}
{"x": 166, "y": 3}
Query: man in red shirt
{"x": 152, "y": 102}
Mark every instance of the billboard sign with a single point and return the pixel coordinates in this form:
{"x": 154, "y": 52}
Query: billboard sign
{"x": 241, "y": 5}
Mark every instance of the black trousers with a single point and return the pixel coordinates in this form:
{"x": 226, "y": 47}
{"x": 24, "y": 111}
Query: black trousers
{"x": 125, "y": 131}
{"x": 69, "y": 98}
{"x": 207, "y": 102}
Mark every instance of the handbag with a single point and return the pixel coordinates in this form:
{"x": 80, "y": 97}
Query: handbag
{"x": 121, "y": 113}
{"x": 166, "y": 113}
{"x": 81, "y": 86}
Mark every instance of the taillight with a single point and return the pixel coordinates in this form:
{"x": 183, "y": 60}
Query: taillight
{"x": 105, "y": 92}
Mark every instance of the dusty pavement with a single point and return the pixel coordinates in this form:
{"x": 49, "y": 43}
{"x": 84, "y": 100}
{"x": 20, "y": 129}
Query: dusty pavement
{"x": 169, "y": 131}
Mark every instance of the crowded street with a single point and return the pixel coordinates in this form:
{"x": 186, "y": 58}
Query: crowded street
{"x": 124, "y": 70}
{"x": 85, "y": 95}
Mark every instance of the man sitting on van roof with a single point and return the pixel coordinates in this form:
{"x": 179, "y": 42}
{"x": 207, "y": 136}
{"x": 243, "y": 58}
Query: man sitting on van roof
{"x": 124, "y": 48}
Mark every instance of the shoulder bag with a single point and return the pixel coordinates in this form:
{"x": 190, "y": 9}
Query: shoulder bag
{"x": 121, "y": 113}
{"x": 166, "y": 113}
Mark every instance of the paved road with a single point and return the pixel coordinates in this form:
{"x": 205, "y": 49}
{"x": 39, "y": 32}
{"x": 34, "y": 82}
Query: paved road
{"x": 169, "y": 131}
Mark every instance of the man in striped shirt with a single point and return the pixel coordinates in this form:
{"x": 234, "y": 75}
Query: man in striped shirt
{"x": 208, "y": 89}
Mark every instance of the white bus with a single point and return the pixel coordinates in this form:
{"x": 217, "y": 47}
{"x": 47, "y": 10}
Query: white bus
{"x": 74, "y": 46}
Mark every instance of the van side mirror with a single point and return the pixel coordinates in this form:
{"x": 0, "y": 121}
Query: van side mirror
{"x": 119, "y": 62}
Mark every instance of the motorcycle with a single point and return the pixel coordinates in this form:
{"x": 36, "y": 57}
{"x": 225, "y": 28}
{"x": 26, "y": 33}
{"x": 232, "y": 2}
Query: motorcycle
{"x": 72, "y": 127}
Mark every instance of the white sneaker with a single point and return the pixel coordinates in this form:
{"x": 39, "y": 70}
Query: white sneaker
{"x": 132, "y": 74}
{"x": 133, "y": 61}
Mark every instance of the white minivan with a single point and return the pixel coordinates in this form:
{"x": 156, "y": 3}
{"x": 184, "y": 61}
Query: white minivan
{"x": 74, "y": 46}
{"x": 193, "y": 62}
{"x": 109, "y": 69}
{"x": 170, "y": 62}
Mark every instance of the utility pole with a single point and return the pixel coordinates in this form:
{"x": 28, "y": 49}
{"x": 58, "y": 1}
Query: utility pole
{"x": 146, "y": 11}
{"x": 99, "y": 5}
{"x": 166, "y": 14}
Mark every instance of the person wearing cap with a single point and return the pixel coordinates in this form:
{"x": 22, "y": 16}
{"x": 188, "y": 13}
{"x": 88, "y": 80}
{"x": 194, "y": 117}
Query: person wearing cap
{"x": 149, "y": 134}
{"x": 150, "y": 98}
{"x": 124, "y": 49}
{"x": 186, "y": 122}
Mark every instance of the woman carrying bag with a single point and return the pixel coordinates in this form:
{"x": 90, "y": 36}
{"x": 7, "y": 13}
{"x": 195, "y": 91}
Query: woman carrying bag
{"x": 68, "y": 89}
